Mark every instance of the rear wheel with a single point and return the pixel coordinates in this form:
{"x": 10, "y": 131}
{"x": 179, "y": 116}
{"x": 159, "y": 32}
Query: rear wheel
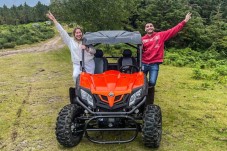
{"x": 69, "y": 129}
{"x": 152, "y": 126}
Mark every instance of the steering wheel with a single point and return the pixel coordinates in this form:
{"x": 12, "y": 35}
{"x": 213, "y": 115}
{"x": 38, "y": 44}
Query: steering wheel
{"x": 129, "y": 69}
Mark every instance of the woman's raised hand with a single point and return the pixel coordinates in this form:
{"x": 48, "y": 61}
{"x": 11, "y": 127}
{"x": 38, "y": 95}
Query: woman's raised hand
{"x": 50, "y": 16}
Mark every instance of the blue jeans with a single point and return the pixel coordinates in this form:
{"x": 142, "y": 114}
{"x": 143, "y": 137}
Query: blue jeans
{"x": 153, "y": 72}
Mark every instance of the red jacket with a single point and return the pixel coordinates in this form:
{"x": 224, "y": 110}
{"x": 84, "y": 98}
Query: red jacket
{"x": 153, "y": 45}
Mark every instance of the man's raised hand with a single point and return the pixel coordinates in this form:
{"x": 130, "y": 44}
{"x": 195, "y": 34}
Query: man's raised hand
{"x": 188, "y": 16}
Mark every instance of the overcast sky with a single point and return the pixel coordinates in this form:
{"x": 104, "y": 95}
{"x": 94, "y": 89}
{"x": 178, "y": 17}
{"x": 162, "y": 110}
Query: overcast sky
{"x": 10, "y": 3}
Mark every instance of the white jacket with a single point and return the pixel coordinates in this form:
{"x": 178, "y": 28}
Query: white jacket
{"x": 75, "y": 47}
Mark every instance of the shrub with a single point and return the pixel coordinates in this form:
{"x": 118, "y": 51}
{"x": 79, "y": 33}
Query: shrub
{"x": 36, "y": 25}
{"x": 24, "y": 34}
{"x": 3, "y": 40}
{"x": 49, "y": 34}
{"x": 209, "y": 59}
{"x": 9, "y": 45}
{"x": 212, "y": 63}
{"x": 179, "y": 63}
{"x": 221, "y": 70}
{"x": 34, "y": 39}
{"x": 198, "y": 74}
{"x": 173, "y": 57}
{"x": 203, "y": 66}
{"x": 222, "y": 62}
{"x": 191, "y": 59}
{"x": 20, "y": 41}
{"x": 48, "y": 23}
{"x": 117, "y": 47}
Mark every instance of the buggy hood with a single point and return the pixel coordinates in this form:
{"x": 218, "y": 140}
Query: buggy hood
{"x": 112, "y": 84}
{"x": 112, "y": 37}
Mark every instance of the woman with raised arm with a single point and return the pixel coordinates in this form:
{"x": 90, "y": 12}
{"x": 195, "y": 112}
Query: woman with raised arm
{"x": 76, "y": 47}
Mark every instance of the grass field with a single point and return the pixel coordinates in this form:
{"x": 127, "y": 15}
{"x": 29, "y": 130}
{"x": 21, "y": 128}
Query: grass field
{"x": 34, "y": 87}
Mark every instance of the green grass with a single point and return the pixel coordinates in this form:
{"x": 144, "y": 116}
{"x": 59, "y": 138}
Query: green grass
{"x": 34, "y": 88}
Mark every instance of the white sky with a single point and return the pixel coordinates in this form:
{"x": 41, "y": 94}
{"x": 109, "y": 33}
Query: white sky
{"x": 10, "y": 3}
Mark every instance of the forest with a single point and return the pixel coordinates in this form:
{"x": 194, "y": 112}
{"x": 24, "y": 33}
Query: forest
{"x": 207, "y": 30}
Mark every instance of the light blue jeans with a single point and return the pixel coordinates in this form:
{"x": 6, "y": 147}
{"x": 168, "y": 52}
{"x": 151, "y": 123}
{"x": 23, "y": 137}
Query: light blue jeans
{"x": 153, "y": 72}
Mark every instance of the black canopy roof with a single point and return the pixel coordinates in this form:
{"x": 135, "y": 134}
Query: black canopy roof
{"x": 112, "y": 37}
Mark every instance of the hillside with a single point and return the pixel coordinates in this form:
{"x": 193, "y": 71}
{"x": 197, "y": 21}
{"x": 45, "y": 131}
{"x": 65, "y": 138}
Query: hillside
{"x": 34, "y": 88}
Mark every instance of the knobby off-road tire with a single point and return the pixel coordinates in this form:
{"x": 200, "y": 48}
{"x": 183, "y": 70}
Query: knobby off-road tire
{"x": 152, "y": 126}
{"x": 67, "y": 126}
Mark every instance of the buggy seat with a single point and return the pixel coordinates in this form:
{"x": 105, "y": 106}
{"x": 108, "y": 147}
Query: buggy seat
{"x": 101, "y": 62}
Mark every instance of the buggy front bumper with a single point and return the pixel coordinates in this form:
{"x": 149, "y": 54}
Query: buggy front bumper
{"x": 111, "y": 113}
{"x": 95, "y": 116}
{"x": 134, "y": 129}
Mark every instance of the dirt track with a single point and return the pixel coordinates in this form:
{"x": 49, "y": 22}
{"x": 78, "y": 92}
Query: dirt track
{"x": 49, "y": 45}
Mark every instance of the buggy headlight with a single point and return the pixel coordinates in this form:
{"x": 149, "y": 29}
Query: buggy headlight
{"x": 135, "y": 96}
{"x": 86, "y": 96}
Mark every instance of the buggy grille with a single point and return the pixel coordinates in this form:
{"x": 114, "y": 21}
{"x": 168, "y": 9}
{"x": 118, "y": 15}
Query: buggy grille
{"x": 116, "y": 99}
{"x": 120, "y": 102}
{"x": 103, "y": 97}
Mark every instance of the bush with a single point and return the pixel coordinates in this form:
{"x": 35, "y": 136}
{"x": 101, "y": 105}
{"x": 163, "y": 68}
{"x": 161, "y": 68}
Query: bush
{"x": 191, "y": 59}
{"x": 24, "y": 34}
{"x": 9, "y": 45}
{"x": 179, "y": 63}
{"x": 210, "y": 59}
{"x": 212, "y": 63}
{"x": 36, "y": 25}
{"x": 48, "y": 23}
{"x": 198, "y": 74}
{"x": 171, "y": 58}
{"x": 3, "y": 40}
{"x": 34, "y": 39}
{"x": 221, "y": 70}
{"x": 20, "y": 41}
{"x": 49, "y": 34}
{"x": 219, "y": 75}
{"x": 117, "y": 47}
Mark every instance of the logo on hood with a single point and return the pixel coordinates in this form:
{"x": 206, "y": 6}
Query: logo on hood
{"x": 111, "y": 94}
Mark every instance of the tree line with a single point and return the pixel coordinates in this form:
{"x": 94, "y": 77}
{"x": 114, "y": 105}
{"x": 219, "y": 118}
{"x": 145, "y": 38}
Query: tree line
{"x": 207, "y": 30}
{"x": 23, "y": 14}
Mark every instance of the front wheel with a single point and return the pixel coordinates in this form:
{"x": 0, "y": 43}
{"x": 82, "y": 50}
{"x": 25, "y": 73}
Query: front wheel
{"x": 152, "y": 126}
{"x": 69, "y": 129}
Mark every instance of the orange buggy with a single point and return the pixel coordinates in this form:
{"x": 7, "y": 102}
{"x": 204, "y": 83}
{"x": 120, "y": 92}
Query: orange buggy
{"x": 114, "y": 104}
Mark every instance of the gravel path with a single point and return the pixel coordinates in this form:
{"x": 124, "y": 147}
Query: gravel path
{"x": 49, "y": 45}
